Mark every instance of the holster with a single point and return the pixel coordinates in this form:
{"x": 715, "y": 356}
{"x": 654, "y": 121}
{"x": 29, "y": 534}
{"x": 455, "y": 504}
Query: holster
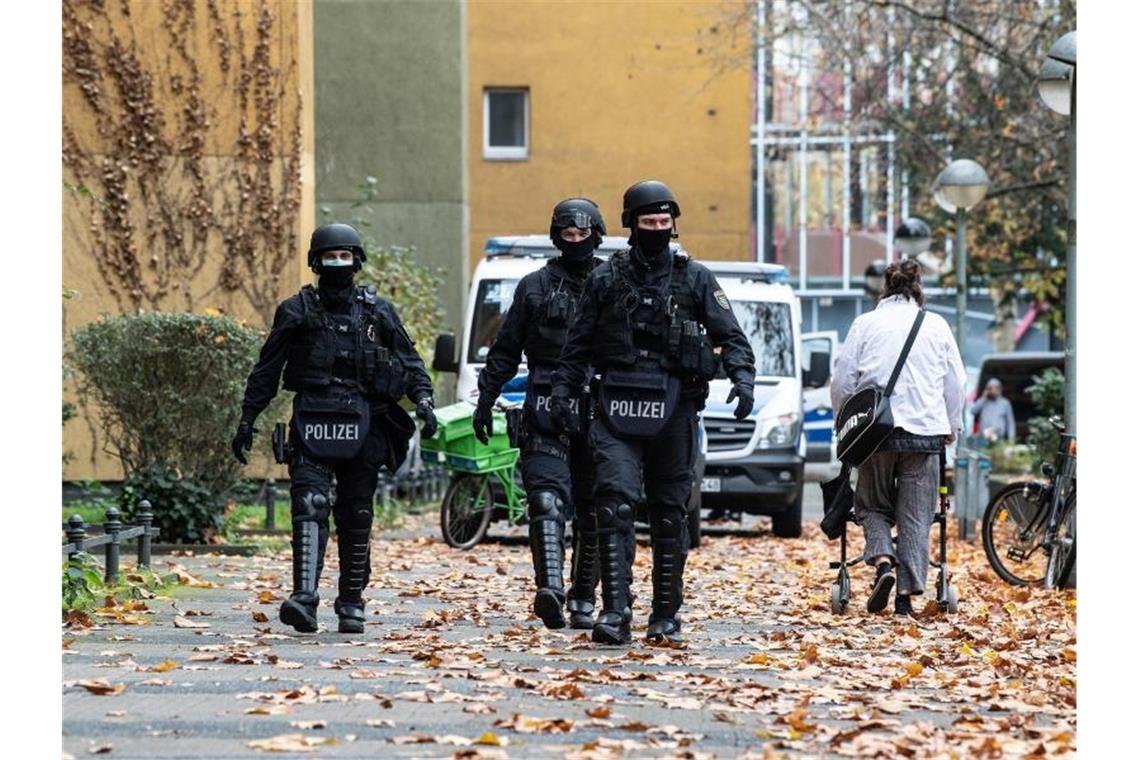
{"x": 282, "y": 451}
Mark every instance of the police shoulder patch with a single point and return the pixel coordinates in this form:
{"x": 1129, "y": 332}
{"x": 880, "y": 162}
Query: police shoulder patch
{"x": 721, "y": 299}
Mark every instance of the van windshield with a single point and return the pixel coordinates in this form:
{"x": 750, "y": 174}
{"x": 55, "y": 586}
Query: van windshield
{"x": 769, "y": 328}
{"x": 491, "y": 305}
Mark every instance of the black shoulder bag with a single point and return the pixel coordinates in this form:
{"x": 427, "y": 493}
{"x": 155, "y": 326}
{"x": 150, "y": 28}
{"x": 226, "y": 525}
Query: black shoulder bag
{"x": 865, "y": 420}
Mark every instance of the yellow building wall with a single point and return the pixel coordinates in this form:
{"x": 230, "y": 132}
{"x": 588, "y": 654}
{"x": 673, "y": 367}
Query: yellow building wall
{"x": 619, "y": 92}
{"x": 180, "y": 77}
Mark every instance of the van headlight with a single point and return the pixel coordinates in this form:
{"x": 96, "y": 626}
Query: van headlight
{"x": 779, "y": 431}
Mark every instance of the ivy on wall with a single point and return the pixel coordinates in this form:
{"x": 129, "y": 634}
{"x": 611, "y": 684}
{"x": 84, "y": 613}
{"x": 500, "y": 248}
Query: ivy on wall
{"x": 186, "y": 146}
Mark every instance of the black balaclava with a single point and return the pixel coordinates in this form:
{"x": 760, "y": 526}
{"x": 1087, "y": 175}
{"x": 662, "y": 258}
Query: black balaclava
{"x": 335, "y": 281}
{"x": 653, "y": 245}
{"x": 576, "y": 255}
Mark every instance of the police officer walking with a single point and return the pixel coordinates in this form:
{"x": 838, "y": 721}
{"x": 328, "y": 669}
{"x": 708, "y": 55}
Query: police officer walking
{"x": 649, "y": 321}
{"x": 557, "y": 468}
{"x": 349, "y": 359}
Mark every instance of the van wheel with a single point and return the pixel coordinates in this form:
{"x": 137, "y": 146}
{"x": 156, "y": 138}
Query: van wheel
{"x": 789, "y": 523}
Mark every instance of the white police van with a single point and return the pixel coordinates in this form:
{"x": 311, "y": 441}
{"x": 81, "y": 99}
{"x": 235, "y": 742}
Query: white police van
{"x": 756, "y": 465}
{"x": 770, "y": 313}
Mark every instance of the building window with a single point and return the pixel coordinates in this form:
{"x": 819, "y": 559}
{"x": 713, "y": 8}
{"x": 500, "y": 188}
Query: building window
{"x": 506, "y": 123}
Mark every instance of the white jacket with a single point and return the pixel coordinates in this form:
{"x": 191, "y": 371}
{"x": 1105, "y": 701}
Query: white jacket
{"x": 928, "y": 396}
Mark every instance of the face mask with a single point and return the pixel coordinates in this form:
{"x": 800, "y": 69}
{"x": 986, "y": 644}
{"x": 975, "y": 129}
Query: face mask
{"x": 653, "y": 243}
{"x": 575, "y": 252}
{"x": 336, "y": 275}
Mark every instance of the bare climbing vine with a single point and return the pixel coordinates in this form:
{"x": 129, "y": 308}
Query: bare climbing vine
{"x": 190, "y": 152}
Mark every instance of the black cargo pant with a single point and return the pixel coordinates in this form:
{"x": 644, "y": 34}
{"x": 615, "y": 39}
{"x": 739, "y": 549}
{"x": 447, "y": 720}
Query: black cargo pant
{"x": 661, "y": 468}
{"x": 564, "y": 466}
{"x": 356, "y": 480}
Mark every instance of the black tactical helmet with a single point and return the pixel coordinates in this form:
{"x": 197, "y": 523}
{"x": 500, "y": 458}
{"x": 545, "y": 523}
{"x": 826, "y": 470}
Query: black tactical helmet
{"x": 647, "y": 197}
{"x": 577, "y": 212}
{"x": 332, "y": 236}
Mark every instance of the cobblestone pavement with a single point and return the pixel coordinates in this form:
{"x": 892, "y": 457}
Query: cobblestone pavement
{"x": 453, "y": 664}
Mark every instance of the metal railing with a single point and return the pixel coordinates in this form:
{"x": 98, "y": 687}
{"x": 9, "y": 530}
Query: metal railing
{"x": 421, "y": 486}
{"x": 115, "y": 532}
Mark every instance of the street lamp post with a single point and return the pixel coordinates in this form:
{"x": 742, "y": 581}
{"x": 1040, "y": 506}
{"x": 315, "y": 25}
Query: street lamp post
{"x": 913, "y": 237}
{"x": 958, "y": 187}
{"x": 1057, "y": 86}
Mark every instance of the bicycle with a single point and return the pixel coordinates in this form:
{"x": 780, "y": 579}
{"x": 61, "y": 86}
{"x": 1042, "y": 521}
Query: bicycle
{"x": 1029, "y": 529}
{"x": 485, "y": 482}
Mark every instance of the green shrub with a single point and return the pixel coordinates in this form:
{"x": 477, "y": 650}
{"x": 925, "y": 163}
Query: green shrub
{"x": 1006, "y": 456}
{"x": 168, "y": 389}
{"x": 1048, "y": 395}
{"x": 190, "y": 511}
{"x": 82, "y": 582}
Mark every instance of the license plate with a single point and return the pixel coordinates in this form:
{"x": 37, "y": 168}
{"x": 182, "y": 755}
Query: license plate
{"x": 710, "y": 485}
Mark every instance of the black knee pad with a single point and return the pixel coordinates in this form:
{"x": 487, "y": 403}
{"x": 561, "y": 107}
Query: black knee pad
{"x": 667, "y": 525}
{"x": 312, "y": 506}
{"x": 544, "y": 505}
{"x": 614, "y": 516}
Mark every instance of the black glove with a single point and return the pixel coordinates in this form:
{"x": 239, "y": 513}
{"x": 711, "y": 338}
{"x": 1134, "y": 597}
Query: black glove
{"x": 482, "y": 422}
{"x": 243, "y": 440}
{"x": 560, "y": 413}
{"x": 425, "y": 410}
{"x": 742, "y": 391}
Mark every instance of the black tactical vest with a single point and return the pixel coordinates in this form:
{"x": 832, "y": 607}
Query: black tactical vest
{"x": 641, "y": 324}
{"x": 546, "y": 331}
{"x": 348, "y": 349}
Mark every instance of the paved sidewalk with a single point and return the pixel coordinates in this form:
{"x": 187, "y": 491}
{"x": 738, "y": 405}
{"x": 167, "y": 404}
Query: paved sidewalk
{"x": 451, "y": 656}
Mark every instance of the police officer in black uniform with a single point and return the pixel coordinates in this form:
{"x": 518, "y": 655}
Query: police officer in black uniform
{"x": 557, "y": 468}
{"x": 649, "y": 321}
{"x": 350, "y": 360}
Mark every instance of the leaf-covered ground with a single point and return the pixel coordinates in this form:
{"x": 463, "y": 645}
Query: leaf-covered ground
{"x": 453, "y": 664}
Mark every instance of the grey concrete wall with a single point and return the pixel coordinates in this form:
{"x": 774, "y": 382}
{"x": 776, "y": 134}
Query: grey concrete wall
{"x": 390, "y": 103}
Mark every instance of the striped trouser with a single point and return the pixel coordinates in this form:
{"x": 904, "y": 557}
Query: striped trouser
{"x": 899, "y": 488}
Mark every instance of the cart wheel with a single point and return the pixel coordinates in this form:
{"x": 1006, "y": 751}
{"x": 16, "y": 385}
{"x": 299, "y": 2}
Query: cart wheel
{"x": 951, "y": 603}
{"x": 838, "y": 603}
{"x": 466, "y": 511}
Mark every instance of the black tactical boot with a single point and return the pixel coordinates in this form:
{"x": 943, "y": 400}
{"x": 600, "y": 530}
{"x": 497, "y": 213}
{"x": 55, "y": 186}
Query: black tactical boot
{"x": 583, "y": 580}
{"x": 546, "y": 548}
{"x": 668, "y": 577}
{"x": 881, "y": 591}
{"x": 353, "y": 550}
{"x": 300, "y": 609}
{"x": 612, "y": 626}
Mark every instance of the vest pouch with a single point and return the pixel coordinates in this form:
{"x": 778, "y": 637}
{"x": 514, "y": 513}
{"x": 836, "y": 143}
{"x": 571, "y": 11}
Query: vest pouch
{"x": 638, "y": 403}
{"x": 709, "y": 360}
{"x": 306, "y": 356}
{"x": 539, "y": 386}
{"x": 387, "y": 378}
{"x": 331, "y": 427}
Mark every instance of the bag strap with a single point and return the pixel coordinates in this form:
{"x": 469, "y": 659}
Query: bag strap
{"x": 906, "y": 350}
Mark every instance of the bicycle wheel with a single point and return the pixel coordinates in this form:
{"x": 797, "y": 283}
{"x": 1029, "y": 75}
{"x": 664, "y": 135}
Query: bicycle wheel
{"x": 1065, "y": 550}
{"x": 466, "y": 510}
{"x": 1013, "y": 528}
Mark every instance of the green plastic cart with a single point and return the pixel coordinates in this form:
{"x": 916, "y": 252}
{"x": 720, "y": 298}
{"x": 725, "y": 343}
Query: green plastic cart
{"x": 485, "y": 483}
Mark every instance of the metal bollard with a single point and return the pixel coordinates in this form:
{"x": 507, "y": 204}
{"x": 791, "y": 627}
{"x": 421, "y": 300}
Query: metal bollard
{"x": 112, "y": 527}
{"x": 270, "y": 504}
{"x": 961, "y": 490}
{"x": 145, "y": 518}
{"x": 981, "y": 495}
{"x": 433, "y": 472}
{"x": 969, "y": 513}
{"x": 76, "y": 532}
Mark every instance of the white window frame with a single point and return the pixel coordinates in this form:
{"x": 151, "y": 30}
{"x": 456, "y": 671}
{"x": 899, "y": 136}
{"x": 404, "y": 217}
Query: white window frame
{"x": 505, "y": 152}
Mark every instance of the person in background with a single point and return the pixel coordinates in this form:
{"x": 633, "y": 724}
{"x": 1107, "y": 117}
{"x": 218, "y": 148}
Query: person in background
{"x": 993, "y": 415}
